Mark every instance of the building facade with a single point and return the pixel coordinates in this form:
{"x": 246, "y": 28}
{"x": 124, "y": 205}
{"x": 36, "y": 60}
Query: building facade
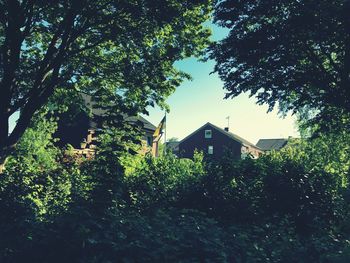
{"x": 215, "y": 142}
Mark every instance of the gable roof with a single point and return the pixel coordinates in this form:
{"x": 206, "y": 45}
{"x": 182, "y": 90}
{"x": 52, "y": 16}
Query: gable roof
{"x": 99, "y": 112}
{"x": 146, "y": 124}
{"x": 226, "y": 133}
{"x": 271, "y": 144}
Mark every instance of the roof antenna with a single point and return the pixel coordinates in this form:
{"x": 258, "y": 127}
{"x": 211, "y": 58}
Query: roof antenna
{"x": 228, "y": 123}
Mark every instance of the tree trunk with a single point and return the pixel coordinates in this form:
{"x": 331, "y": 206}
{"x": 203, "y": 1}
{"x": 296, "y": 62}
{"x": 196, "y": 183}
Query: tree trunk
{"x": 4, "y": 135}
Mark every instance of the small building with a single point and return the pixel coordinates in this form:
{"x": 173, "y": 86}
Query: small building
{"x": 271, "y": 144}
{"x": 215, "y": 142}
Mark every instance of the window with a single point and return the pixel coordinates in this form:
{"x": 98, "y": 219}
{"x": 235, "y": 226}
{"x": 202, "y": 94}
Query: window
{"x": 244, "y": 152}
{"x": 210, "y": 149}
{"x": 207, "y": 134}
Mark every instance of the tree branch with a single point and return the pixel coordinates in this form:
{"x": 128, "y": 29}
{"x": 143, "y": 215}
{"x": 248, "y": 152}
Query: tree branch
{"x": 40, "y": 91}
{"x": 29, "y": 18}
{"x": 10, "y": 56}
{"x": 315, "y": 58}
{"x": 33, "y": 104}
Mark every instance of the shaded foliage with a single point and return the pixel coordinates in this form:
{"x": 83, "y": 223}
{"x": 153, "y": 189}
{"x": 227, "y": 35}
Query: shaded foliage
{"x": 292, "y": 52}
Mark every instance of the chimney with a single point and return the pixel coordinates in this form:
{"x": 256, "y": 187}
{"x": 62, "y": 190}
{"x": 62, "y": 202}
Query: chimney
{"x": 226, "y": 129}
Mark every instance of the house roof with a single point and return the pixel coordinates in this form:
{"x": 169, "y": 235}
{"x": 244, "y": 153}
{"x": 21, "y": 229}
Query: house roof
{"x": 99, "y": 112}
{"x": 146, "y": 124}
{"x": 271, "y": 144}
{"x": 228, "y": 134}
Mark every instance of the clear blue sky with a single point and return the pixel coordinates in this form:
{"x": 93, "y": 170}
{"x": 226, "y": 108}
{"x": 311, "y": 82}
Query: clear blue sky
{"x": 201, "y": 100}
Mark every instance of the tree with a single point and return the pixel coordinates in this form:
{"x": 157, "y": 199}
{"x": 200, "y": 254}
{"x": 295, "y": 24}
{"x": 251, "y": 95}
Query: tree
{"x": 293, "y": 52}
{"x": 119, "y": 51}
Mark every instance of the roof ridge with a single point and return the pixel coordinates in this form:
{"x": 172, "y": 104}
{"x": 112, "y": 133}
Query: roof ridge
{"x": 274, "y": 139}
{"x": 229, "y": 134}
{"x": 235, "y": 136}
{"x": 194, "y": 132}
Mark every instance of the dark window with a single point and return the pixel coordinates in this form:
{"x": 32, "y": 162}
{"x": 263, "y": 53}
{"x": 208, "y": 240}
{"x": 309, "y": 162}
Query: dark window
{"x": 149, "y": 140}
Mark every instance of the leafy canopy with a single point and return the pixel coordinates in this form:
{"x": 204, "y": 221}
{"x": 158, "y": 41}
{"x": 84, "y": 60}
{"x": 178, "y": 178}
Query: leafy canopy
{"x": 121, "y": 52}
{"x": 293, "y": 52}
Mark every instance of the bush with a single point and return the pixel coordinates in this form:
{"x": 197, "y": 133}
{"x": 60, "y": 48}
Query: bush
{"x": 159, "y": 182}
{"x": 126, "y": 208}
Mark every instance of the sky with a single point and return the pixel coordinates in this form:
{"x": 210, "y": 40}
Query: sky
{"x": 201, "y": 100}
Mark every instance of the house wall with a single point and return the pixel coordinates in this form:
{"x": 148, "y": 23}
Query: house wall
{"x": 220, "y": 142}
{"x": 146, "y": 142}
{"x": 251, "y": 151}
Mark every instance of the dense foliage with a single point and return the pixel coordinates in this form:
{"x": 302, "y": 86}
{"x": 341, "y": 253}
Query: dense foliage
{"x": 293, "y": 52}
{"x": 121, "y": 52}
{"x": 289, "y": 206}
{"x": 121, "y": 206}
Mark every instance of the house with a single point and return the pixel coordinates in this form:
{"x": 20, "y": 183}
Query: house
{"x": 215, "y": 142}
{"x": 271, "y": 144}
{"x": 81, "y": 131}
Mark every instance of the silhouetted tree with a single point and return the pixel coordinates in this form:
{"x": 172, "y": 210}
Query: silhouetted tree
{"x": 293, "y": 52}
{"x": 116, "y": 50}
